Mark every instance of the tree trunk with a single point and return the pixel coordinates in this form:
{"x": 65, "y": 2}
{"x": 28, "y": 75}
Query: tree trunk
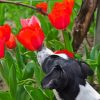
{"x": 97, "y": 34}
{"x": 82, "y": 22}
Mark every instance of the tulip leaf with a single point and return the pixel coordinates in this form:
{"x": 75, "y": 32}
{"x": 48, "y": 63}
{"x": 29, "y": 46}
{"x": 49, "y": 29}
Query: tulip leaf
{"x": 94, "y": 52}
{"x": 38, "y": 74}
{"x": 36, "y": 93}
{"x": 13, "y": 82}
{"x": 9, "y": 59}
{"x": 2, "y": 17}
{"x": 87, "y": 52}
{"x": 44, "y": 23}
{"x": 98, "y": 67}
{"x": 22, "y": 93}
{"x": 4, "y": 95}
{"x": 67, "y": 41}
{"x": 4, "y": 70}
{"x": 56, "y": 45}
{"x": 19, "y": 58}
{"x": 28, "y": 70}
{"x": 52, "y": 34}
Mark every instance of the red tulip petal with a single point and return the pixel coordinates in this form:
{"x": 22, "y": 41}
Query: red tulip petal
{"x": 25, "y": 36}
{"x": 31, "y": 38}
{"x": 29, "y": 22}
{"x": 60, "y": 22}
{"x": 60, "y": 16}
{"x": 34, "y": 20}
{"x": 68, "y": 53}
{"x": 43, "y": 6}
{"x": 24, "y": 22}
{"x": 69, "y": 2}
{"x": 38, "y": 38}
{"x": 1, "y": 48}
{"x": 5, "y": 32}
{"x": 11, "y": 43}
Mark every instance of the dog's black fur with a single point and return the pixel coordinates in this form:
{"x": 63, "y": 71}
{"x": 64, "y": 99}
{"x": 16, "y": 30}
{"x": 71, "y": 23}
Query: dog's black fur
{"x": 65, "y": 75}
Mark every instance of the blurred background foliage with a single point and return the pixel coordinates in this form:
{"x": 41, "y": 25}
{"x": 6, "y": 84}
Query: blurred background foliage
{"x": 20, "y": 70}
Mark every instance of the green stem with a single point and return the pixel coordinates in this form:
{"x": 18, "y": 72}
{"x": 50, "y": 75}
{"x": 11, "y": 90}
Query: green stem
{"x": 67, "y": 41}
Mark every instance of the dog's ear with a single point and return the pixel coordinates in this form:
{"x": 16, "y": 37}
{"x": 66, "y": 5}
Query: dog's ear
{"x": 50, "y": 80}
{"x": 86, "y": 70}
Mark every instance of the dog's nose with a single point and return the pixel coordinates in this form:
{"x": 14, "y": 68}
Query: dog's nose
{"x": 47, "y": 85}
{"x": 44, "y": 86}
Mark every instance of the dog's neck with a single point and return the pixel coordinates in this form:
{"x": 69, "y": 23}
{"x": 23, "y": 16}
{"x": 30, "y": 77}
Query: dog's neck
{"x": 83, "y": 93}
{"x": 68, "y": 93}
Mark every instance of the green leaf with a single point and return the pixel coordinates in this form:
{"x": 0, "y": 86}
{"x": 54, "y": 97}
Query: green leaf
{"x": 87, "y": 52}
{"x": 94, "y": 52}
{"x": 19, "y": 58}
{"x": 78, "y": 56}
{"x": 13, "y": 82}
{"x": 9, "y": 59}
{"x": 22, "y": 93}
{"x": 67, "y": 41}
{"x": 44, "y": 23}
{"x": 4, "y": 95}
{"x": 55, "y": 44}
{"x": 98, "y": 61}
{"x": 36, "y": 93}
{"x": 38, "y": 74}
{"x": 50, "y": 94}
{"x": 2, "y": 14}
{"x": 92, "y": 63}
{"x": 98, "y": 67}
{"x": 4, "y": 70}
{"x": 28, "y": 70}
{"x": 52, "y": 34}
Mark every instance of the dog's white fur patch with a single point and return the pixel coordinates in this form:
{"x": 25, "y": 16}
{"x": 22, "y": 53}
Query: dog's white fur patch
{"x": 45, "y": 52}
{"x": 62, "y": 55}
{"x": 87, "y": 93}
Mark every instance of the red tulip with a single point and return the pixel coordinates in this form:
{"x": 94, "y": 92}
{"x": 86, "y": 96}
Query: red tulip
{"x": 69, "y": 5}
{"x": 1, "y": 48}
{"x": 5, "y": 32}
{"x": 60, "y": 16}
{"x": 69, "y": 2}
{"x": 43, "y": 6}
{"x": 31, "y": 35}
{"x": 11, "y": 43}
{"x": 68, "y": 53}
{"x": 29, "y": 22}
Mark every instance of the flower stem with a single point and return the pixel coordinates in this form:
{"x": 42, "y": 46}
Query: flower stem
{"x": 67, "y": 40}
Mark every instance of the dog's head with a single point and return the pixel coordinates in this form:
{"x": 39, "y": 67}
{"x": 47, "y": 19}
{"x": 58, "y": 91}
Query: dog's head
{"x": 61, "y": 72}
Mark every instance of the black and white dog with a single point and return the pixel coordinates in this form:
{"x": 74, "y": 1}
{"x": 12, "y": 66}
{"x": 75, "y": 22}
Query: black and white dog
{"x": 67, "y": 77}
